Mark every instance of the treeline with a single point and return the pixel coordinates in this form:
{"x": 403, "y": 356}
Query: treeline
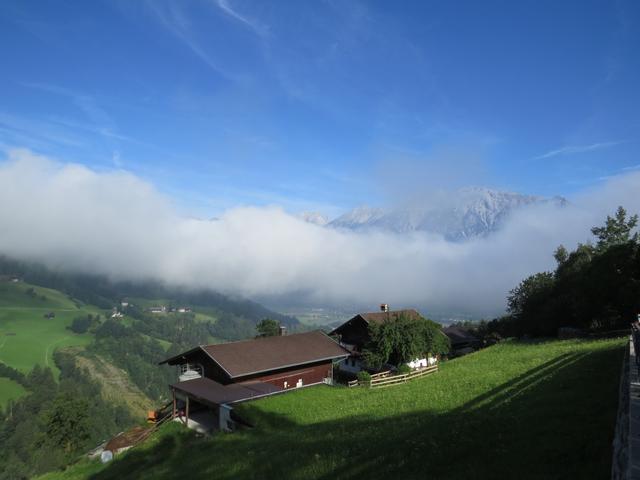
{"x": 183, "y": 329}
{"x": 55, "y": 422}
{"x": 595, "y": 287}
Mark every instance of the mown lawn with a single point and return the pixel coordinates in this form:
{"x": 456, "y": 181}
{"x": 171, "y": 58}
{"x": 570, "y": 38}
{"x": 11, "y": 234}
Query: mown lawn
{"x": 9, "y": 390}
{"x": 517, "y": 410}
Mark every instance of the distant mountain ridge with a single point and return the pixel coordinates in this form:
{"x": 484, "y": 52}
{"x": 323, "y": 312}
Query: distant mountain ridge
{"x": 469, "y": 213}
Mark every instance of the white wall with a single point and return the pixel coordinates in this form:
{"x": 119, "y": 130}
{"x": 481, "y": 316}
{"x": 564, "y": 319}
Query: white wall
{"x": 423, "y": 362}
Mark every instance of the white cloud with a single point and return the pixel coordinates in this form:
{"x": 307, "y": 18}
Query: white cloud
{"x": 252, "y": 24}
{"x": 176, "y": 20}
{"x": 71, "y": 217}
{"x": 570, "y": 150}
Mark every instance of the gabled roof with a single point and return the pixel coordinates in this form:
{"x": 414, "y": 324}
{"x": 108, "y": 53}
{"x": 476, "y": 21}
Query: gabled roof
{"x": 379, "y": 317}
{"x": 248, "y": 357}
{"x": 459, "y": 335}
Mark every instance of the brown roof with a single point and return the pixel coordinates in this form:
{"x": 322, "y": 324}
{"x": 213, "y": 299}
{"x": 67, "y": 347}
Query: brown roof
{"x": 269, "y": 353}
{"x": 247, "y": 357}
{"x": 379, "y": 317}
{"x": 208, "y": 391}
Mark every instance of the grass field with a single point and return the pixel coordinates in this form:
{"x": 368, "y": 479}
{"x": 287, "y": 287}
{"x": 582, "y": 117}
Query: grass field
{"x": 9, "y": 390}
{"x": 26, "y": 337}
{"x": 517, "y": 410}
{"x": 15, "y": 295}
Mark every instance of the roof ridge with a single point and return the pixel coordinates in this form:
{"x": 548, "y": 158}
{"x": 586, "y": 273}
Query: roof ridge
{"x": 262, "y": 338}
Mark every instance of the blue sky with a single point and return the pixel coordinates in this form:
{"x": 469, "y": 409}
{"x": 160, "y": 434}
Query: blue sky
{"x": 314, "y": 105}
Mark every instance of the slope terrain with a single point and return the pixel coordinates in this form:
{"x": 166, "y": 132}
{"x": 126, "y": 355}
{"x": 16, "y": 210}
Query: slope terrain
{"x": 27, "y": 336}
{"x": 115, "y": 385}
{"x": 549, "y": 406}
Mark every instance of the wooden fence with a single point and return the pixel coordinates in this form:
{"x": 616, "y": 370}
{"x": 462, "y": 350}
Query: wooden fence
{"x": 386, "y": 379}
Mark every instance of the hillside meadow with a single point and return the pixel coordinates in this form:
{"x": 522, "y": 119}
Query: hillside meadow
{"x": 27, "y": 338}
{"x": 527, "y": 410}
{"x": 9, "y": 390}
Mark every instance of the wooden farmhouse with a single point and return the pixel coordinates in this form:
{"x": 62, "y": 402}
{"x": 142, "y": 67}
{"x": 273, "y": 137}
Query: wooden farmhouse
{"x": 214, "y": 377}
{"x": 353, "y": 335}
{"x": 462, "y": 340}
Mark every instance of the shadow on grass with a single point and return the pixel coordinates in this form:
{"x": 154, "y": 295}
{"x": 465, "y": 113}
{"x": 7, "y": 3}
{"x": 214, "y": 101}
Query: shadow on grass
{"x": 554, "y": 421}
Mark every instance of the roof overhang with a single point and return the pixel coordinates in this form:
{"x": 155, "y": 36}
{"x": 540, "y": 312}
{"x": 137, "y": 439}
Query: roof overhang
{"x": 209, "y": 392}
{"x": 317, "y": 360}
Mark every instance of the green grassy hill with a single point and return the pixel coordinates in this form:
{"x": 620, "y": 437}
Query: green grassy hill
{"x": 516, "y": 410}
{"x": 27, "y": 338}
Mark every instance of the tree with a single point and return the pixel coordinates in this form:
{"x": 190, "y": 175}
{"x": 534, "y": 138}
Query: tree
{"x": 531, "y": 290}
{"x": 81, "y": 324}
{"x": 268, "y": 328}
{"x": 616, "y": 230}
{"x": 593, "y": 287}
{"x": 67, "y": 422}
{"x": 561, "y": 255}
{"x": 401, "y": 339}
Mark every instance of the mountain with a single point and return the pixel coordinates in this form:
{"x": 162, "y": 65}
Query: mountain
{"x": 470, "y": 212}
{"x": 316, "y": 218}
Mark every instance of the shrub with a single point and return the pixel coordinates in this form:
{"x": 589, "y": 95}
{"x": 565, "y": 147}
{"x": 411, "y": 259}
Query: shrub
{"x": 81, "y": 324}
{"x": 404, "y": 368}
{"x": 364, "y": 377}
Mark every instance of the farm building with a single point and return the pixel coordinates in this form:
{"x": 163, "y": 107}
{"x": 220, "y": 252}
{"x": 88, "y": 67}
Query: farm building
{"x": 353, "y": 335}
{"x": 213, "y": 377}
{"x": 462, "y": 341}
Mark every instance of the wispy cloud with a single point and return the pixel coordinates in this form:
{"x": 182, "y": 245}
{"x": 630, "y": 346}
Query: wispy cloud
{"x": 251, "y": 23}
{"x": 83, "y": 101}
{"x": 574, "y": 149}
{"x": 17, "y": 129}
{"x": 173, "y": 18}
{"x": 99, "y": 120}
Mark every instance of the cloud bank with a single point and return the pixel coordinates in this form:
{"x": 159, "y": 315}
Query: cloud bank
{"x": 74, "y": 218}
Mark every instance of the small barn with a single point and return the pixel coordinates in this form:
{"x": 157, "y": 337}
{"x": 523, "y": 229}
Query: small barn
{"x": 213, "y": 377}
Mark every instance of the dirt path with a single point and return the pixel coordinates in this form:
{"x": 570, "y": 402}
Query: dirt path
{"x": 46, "y": 353}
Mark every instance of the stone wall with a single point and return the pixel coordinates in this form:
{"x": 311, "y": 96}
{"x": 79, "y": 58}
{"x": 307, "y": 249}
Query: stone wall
{"x": 626, "y": 442}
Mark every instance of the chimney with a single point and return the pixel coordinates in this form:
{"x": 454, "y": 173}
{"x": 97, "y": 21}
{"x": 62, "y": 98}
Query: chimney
{"x": 282, "y": 330}
{"x": 384, "y": 307}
